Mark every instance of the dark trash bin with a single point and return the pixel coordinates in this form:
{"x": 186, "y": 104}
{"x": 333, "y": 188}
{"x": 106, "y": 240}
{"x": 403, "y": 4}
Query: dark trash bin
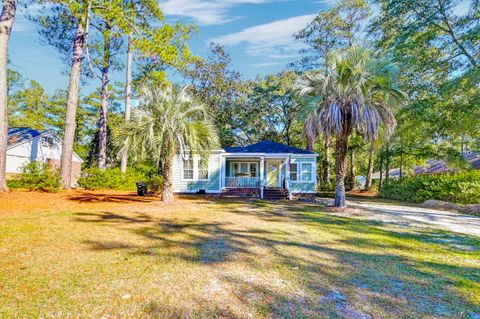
{"x": 142, "y": 189}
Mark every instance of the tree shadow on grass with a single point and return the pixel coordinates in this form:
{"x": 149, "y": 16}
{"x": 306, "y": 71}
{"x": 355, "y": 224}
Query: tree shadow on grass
{"x": 364, "y": 273}
{"x": 86, "y": 197}
{"x": 109, "y": 217}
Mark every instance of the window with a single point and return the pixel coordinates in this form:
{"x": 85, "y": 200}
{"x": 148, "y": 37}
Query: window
{"x": 243, "y": 170}
{"x": 202, "y": 168}
{"x": 188, "y": 168}
{"x": 294, "y": 172}
{"x": 253, "y": 170}
{"x": 47, "y": 141}
{"x": 306, "y": 173}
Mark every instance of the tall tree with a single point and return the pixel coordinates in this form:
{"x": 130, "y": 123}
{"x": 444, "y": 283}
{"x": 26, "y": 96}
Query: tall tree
{"x": 354, "y": 95}
{"x": 57, "y": 25}
{"x": 270, "y": 111}
{"x": 7, "y": 18}
{"x": 221, "y": 89}
{"x": 334, "y": 29}
{"x": 438, "y": 45}
{"x": 156, "y": 45}
{"x": 104, "y": 46}
{"x": 170, "y": 121}
{"x": 128, "y": 97}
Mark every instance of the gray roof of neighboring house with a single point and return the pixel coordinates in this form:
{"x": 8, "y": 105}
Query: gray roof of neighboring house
{"x": 267, "y": 146}
{"x": 16, "y": 135}
{"x": 436, "y": 166}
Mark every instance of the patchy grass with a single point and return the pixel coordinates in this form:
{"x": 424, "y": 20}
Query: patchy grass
{"x": 112, "y": 255}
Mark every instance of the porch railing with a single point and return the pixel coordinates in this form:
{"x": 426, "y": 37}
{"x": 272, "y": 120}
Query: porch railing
{"x": 242, "y": 182}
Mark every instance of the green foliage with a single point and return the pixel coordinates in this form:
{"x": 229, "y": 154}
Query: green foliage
{"x": 94, "y": 179}
{"x": 221, "y": 90}
{"x": 337, "y": 28}
{"x": 38, "y": 176}
{"x": 462, "y": 188}
{"x": 167, "y": 121}
{"x": 155, "y": 184}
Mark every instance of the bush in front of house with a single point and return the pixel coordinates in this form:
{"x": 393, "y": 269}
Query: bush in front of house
{"x": 155, "y": 184}
{"x": 37, "y": 176}
{"x": 95, "y": 179}
{"x": 461, "y": 188}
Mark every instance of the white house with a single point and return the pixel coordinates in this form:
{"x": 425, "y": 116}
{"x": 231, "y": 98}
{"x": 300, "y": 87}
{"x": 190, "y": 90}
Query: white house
{"x": 26, "y": 145}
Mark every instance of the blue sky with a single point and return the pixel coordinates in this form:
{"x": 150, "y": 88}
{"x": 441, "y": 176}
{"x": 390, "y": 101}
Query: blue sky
{"x": 256, "y": 33}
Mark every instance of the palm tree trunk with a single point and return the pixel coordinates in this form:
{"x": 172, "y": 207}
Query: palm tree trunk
{"x": 340, "y": 169}
{"x": 368, "y": 182}
{"x": 79, "y": 44}
{"x": 6, "y": 22}
{"x": 167, "y": 193}
{"x": 326, "y": 167}
{"x": 352, "y": 170}
{"x": 310, "y": 143}
{"x": 128, "y": 94}
{"x": 102, "y": 131}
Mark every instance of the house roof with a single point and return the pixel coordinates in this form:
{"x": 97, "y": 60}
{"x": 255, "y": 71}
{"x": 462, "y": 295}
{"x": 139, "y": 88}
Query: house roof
{"x": 16, "y": 135}
{"x": 267, "y": 146}
{"x": 436, "y": 166}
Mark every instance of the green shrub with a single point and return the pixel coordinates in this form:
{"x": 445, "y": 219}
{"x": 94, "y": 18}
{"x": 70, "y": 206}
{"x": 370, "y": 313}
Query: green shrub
{"x": 461, "y": 188}
{"x": 155, "y": 184}
{"x": 95, "y": 179}
{"x": 37, "y": 176}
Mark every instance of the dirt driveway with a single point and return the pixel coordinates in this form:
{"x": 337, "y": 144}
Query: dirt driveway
{"x": 418, "y": 216}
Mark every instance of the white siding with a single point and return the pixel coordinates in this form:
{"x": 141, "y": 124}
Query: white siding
{"x": 211, "y": 185}
{"x": 33, "y": 150}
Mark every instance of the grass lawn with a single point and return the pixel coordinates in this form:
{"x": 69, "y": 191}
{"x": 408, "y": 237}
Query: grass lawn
{"x": 93, "y": 255}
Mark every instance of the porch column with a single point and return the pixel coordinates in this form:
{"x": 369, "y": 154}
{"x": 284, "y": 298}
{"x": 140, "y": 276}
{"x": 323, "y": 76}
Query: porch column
{"x": 262, "y": 171}
{"x": 287, "y": 173}
{"x": 223, "y": 171}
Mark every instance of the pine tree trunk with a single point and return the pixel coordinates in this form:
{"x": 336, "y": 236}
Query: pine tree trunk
{"x": 102, "y": 124}
{"x": 79, "y": 44}
{"x": 326, "y": 167}
{"x": 368, "y": 182}
{"x": 340, "y": 169}
{"x": 387, "y": 165}
{"x": 167, "y": 193}
{"x": 401, "y": 165}
{"x": 128, "y": 94}
{"x": 380, "y": 182}
{"x": 6, "y": 22}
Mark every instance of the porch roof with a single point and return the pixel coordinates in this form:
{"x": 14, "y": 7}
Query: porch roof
{"x": 268, "y": 147}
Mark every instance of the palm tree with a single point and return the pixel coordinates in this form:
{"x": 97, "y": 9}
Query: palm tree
{"x": 169, "y": 121}
{"x": 355, "y": 94}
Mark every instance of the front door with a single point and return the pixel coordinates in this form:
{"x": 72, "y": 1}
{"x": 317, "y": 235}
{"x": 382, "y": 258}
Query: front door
{"x": 273, "y": 173}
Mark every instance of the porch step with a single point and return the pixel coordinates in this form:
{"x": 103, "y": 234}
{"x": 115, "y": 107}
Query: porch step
{"x": 275, "y": 194}
{"x": 241, "y": 192}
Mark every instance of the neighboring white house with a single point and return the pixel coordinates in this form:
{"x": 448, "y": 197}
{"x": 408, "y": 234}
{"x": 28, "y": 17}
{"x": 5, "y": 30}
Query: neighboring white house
{"x": 26, "y": 145}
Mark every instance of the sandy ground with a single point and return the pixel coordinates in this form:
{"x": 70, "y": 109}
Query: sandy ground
{"x": 81, "y": 200}
{"x": 409, "y": 214}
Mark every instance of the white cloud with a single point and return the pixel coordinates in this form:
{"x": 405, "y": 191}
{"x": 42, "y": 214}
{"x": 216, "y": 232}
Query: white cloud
{"x": 206, "y": 11}
{"x": 266, "y": 64}
{"x": 461, "y": 8}
{"x": 274, "y": 40}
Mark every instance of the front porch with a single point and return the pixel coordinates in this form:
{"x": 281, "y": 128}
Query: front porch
{"x": 260, "y": 174}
